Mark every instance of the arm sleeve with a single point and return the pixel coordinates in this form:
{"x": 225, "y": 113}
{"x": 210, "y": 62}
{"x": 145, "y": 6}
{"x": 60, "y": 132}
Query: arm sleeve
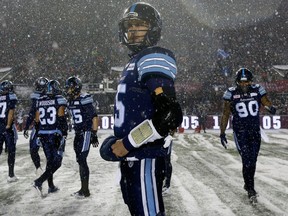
{"x": 62, "y": 125}
{"x": 31, "y": 115}
{"x": 13, "y": 101}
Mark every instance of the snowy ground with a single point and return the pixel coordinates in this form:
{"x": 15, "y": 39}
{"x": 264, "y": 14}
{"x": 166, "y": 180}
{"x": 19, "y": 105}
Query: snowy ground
{"x": 206, "y": 181}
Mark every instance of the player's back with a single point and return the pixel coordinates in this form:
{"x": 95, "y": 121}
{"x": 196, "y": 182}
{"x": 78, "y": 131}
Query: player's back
{"x": 48, "y": 109}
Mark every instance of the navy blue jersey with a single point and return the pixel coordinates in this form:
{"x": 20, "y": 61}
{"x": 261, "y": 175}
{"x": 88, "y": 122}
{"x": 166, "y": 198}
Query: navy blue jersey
{"x": 82, "y": 112}
{"x": 48, "y": 108}
{"x": 7, "y": 102}
{"x": 133, "y": 102}
{"x": 245, "y": 106}
{"x": 34, "y": 98}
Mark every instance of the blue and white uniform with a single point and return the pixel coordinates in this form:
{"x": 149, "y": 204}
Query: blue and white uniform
{"x": 8, "y": 102}
{"x": 50, "y": 133}
{"x": 147, "y": 70}
{"x": 82, "y": 112}
{"x": 34, "y": 146}
{"x": 246, "y": 126}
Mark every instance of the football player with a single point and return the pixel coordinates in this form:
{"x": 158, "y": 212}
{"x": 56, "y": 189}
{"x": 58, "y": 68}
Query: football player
{"x": 146, "y": 111}
{"x": 40, "y": 88}
{"x": 243, "y": 102}
{"x": 85, "y": 121}
{"x": 8, "y": 132}
{"x": 51, "y": 127}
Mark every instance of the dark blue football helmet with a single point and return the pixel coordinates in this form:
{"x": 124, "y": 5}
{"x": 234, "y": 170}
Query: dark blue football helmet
{"x": 6, "y": 86}
{"x": 143, "y": 12}
{"x": 53, "y": 88}
{"x": 73, "y": 86}
{"x": 40, "y": 84}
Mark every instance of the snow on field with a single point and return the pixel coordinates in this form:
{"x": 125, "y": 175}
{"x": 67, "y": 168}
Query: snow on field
{"x": 206, "y": 180}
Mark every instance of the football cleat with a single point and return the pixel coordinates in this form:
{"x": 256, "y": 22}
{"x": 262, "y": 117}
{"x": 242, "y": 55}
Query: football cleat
{"x": 252, "y": 195}
{"x": 165, "y": 190}
{"x": 52, "y": 189}
{"x": 80, "y": 194}
{"x": 12, "y": 179}
{"x": 253, "y": 200}
{"x": 38, "y": 188}
{"x": 252, "y": 192}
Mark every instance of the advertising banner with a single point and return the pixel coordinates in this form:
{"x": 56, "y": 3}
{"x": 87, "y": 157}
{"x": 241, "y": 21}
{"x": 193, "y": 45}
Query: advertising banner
{"x": 212, "y": 122}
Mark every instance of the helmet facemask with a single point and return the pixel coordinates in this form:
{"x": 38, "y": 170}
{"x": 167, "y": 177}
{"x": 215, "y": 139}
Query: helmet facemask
{"x": 53, "y": 88}
{"x": 244, "y": 85}
{"x": 6, "y": 87}
{"x": 149, "y": 23}
{"x": 40, "y": 84}
{"x": 135, "y": 32}
{"x": 71, "y": 92}
{"x": 73, "y": 87}
{"x": 244, "y": 79}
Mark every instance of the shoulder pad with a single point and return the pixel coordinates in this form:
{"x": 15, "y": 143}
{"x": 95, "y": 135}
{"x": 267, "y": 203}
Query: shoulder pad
{"x": 12, "y": 96}
{"x": 43, "y": 97}
{"x": 232, "y": 88}
{"x": 86, "y": 99}
{"x": 255, "y": 85}
{"x": 35, "y": 95}
{"x": 156, "y": 61}
{"x": 61, "y": 100}
{"x": 83, "y": 95}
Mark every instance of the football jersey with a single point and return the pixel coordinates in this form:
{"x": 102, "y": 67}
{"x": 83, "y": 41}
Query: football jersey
{"x": 7, "y": 102}
{"x": 82, "y": 112}
{"x": 133, "y": 101}
{"x": 245, "y": 106}
{"x": 48, "y": 108}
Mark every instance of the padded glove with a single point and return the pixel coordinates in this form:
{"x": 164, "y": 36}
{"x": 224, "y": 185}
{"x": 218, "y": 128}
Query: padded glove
{"x": 61, "y": 147}
{"x": 26, "y": 134}
{"x": 168, "y": 115}
{"x": 271, "y": 109}
{"x": 94, "y": 139}
{"x": 223, "y": 140}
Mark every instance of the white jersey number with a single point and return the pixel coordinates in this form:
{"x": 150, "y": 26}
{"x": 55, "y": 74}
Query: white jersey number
{"x": 3, "y": 106}
{"x": 50, "y": 118}
{"x": 244, "y": 110}
{"x": 77, "y": 117}
{"x": 120, "y": 108}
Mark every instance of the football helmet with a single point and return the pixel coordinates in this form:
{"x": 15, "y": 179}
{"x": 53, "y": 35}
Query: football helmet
{"x": 144, "y": 13}
{"x": 243, "y": 74}
{"x": 53, "y": 88}
{"x": 244, "y": 79}
{"x": 40, "y": 84}
{"x": 6, "y": 86}
{"x": 73, "y": 86}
